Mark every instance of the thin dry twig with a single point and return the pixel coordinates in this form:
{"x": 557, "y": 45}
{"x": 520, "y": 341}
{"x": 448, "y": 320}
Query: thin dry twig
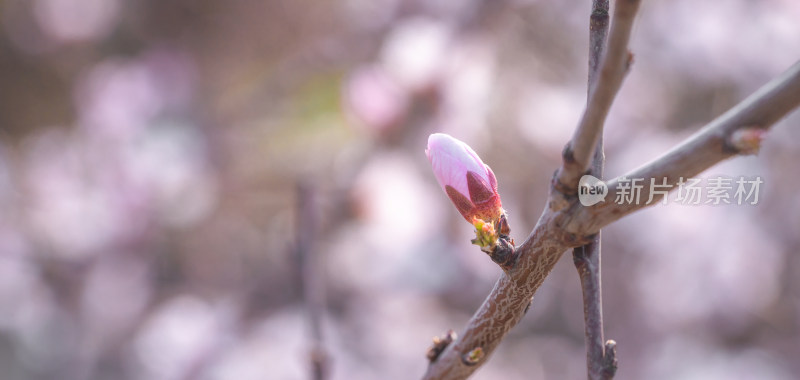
{"x": 613, "y": 67}
{"x": 587, "y": 258}
{"x": 587, "y": 261}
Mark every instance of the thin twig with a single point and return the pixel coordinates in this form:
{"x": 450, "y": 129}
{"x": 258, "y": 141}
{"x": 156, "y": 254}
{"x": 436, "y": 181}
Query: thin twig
{"x": 598, "y": 34}
{"x": 587, "y": 258}
{"x": 566, "y": 224}
{"x": 587, "y": 262}
{"x": 311, "y": 277}
{"x": 614, "y": 64}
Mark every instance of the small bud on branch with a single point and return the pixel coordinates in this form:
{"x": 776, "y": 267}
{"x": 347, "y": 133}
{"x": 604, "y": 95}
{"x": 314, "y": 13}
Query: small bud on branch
{"x": 471, "y": 186}
{"x": 473, "y": 357}
{"x": 439, "y": 344}
{"x": 747, "y": 141}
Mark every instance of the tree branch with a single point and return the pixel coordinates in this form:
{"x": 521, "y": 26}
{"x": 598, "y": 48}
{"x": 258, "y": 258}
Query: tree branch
{"x": 587, "y": 262}
{"x": 615, "y": 63}
{"x": 587, "y": 258}
{"x": 505, "y": 305}
{"x": 717, "y": 141}
{"x": 566, "y": 224}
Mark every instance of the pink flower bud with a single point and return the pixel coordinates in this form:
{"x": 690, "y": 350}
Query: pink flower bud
{"x": 468, "y": 182}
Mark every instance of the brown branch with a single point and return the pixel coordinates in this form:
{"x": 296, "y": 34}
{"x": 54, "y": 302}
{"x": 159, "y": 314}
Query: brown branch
{"x": 615, "y": 63}
{"x": 598, "y": 33}
{"x": 587, "y": 258}
{"x": 566, "y": 224}
{"x": 717, "y": 141}
{"x": 505, "y": 305}
{"x": 587, "y": 261}
{"x": 311, "y": 277}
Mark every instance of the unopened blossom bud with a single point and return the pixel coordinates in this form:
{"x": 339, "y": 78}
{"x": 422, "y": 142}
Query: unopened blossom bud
{"x": 470, "y": 184}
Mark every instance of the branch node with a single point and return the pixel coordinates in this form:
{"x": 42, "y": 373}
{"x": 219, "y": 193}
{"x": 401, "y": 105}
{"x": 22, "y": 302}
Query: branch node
{"x": 473, "y": 357}
{"x": 560, "y": 193}
{"x": 747, "y": 141}
{"x": 575, "y": 240}
{"x": 568, "y": 155}
{"x": 610, "y": 359}
{"x": 504, "y": 253}
{"x": 440, "y": 343}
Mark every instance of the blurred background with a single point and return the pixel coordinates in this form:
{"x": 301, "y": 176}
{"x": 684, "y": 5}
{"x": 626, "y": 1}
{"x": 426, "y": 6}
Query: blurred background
{"x": 181, "y": 182}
